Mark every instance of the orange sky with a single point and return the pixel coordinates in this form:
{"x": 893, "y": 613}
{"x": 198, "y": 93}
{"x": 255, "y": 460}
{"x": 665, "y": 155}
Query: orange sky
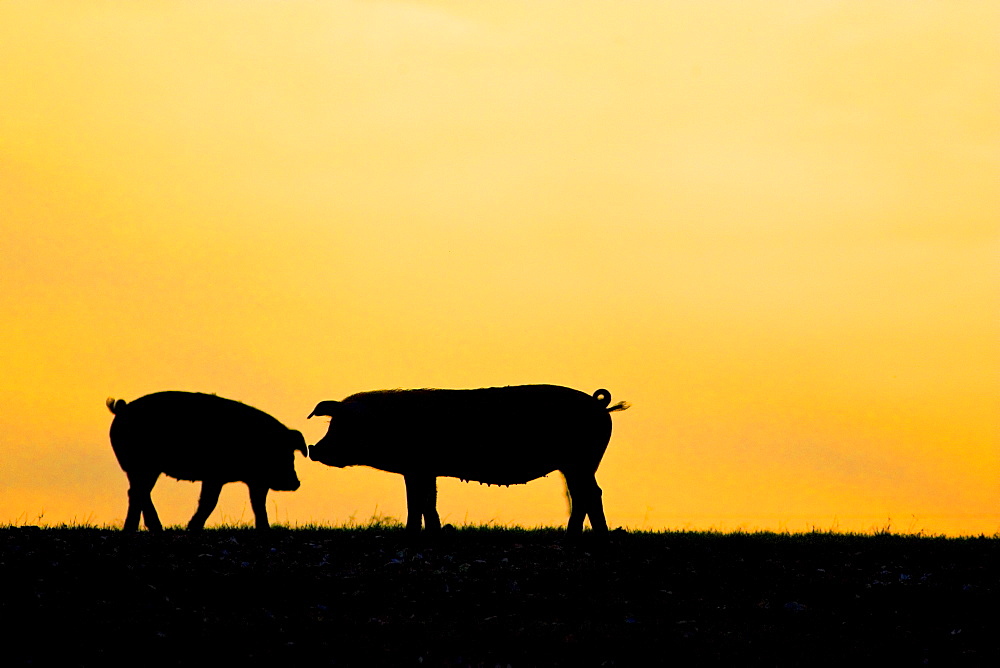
{"x": 771, "y": 227}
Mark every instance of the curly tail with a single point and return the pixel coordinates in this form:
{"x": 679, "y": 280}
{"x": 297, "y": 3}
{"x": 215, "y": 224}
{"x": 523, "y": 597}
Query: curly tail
{"x": 603, "y": 397}
{"x": 115, "y": 406}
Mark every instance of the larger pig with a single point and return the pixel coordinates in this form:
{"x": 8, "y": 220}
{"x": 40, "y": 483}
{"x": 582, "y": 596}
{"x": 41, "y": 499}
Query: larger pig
{"x": 193, "y": 436}
{"x": 497, "y": 435}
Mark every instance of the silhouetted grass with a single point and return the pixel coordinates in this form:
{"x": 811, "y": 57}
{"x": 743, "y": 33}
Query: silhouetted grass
{"x": 485, "y": 595}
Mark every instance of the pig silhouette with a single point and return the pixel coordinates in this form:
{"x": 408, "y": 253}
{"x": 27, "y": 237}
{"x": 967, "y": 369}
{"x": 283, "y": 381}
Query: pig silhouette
{"x": 194, "y": 436}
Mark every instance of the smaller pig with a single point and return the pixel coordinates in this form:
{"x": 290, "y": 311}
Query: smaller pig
{"x": 193, "y": 436}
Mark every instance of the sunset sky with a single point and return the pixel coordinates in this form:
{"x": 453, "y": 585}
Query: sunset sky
{"x": 771, "y": 227}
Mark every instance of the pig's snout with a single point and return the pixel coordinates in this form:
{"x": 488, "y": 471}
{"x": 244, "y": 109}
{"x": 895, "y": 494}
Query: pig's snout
{"x": 286, "y": 484}
{"x": 325, "y": 455}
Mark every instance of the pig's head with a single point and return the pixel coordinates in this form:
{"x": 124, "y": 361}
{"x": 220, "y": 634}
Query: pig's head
{"x": 281, "y": 474}
{"x": 335, "y": 447}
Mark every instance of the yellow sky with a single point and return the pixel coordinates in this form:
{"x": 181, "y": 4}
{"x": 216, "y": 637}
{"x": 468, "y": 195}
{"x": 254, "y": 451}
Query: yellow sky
{"x": 771, "y": 227}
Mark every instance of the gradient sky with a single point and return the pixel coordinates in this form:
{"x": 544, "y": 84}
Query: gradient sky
{"x": 772, "y": 227}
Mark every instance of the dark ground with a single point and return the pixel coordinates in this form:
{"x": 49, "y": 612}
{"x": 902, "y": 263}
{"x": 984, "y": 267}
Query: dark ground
{"x": 487, "y": 597}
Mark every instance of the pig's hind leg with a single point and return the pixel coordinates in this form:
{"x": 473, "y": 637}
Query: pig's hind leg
{"x": 585, "y": 500}
{"x": 150, "y": 518}
{"x": 140, "y": 503}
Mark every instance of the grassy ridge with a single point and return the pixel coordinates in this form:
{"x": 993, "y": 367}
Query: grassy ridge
{"x": 489, "y": 596}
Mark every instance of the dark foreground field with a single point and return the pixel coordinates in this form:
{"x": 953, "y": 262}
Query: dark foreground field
{"x": 475, "y": 597}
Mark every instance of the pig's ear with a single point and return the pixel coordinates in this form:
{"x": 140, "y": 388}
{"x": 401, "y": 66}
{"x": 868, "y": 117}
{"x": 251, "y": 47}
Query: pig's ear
{"x": 300, "y": 442}
{"x": 326, "y": 408}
